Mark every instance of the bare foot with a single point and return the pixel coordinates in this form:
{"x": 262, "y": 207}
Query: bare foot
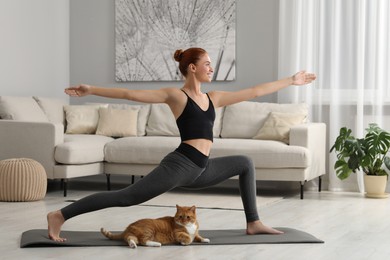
{"x": 256, "y": 227}
{"x": 55, "y": 221}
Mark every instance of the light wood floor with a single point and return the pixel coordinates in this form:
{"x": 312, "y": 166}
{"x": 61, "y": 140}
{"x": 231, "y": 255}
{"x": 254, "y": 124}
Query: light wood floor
{"x": 353, "y": 227}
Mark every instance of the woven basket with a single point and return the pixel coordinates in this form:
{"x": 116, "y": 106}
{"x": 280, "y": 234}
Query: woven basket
{"x": 22, "y": 179}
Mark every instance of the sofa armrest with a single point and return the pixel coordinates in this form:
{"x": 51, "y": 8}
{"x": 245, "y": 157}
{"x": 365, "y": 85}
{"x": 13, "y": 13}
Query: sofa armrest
{"x": 35, "y": 140}
{"x": 313, "y": 137}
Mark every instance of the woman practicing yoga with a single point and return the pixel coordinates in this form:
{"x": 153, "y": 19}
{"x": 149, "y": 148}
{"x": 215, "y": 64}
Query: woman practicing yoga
{"x": 189, "y": 165}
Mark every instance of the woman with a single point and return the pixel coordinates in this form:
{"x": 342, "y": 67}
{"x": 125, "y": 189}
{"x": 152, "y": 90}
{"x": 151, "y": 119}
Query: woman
{"x": 189, "y": 165}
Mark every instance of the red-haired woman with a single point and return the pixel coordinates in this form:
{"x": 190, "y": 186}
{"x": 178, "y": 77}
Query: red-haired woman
{"x": 189, "y": 165}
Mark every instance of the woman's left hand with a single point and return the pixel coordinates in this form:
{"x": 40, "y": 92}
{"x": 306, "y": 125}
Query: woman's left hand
{"x": 302, "y": 78}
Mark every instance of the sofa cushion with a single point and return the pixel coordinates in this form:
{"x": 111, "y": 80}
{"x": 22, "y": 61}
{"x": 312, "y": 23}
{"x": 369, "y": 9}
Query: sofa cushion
{"x": 81, "y": 149}
{"x": 278, "y": 125}
{"x": 243, "y": 120}
{"x": 140, "y": 150}
{"x": 21, "y": 109}
{"x": 53, "y": 108}
{"x": 117, "y": 122}
{"x": 264, "y": 153}
{"x": 152, "y": 149}
{"x": 81, "y": 119}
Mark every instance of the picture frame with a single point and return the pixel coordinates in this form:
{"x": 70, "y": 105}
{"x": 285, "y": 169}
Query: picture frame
{"x": 147, "y": 33}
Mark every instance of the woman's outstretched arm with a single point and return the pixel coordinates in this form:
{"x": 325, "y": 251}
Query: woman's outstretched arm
{"x": 221, "y": 98}
{"x": 145, "y": 96}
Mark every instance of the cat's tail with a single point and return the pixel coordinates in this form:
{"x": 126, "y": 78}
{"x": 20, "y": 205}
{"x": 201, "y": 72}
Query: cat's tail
{"x": 110, "y": 235}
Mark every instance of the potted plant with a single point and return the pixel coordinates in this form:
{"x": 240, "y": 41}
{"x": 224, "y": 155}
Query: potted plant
{"x": 368, "y": 154}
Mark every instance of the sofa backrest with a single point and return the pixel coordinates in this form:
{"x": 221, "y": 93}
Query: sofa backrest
{"x": 21, "y": 109}
{"x": 241, "y": 120}
{"x": 32, "y": 109}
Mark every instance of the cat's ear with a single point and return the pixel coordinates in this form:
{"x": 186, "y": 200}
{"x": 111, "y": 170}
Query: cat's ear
{"x": 193, "y": 208}
{"x": 177, "y": 206}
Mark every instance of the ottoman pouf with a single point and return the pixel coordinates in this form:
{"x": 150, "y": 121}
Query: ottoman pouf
{"x": 22, "y": 179}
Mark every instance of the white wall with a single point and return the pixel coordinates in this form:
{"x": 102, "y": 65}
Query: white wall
{"x": 34, "y": 47}
{"x": 92, "y": 45}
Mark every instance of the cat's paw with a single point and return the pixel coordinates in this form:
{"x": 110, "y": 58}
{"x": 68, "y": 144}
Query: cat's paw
{"x": 185, "y": 243}
{"x": 205, "y": 240}
{"x": 132, "y": 244}
{"x": 153, "y": 243}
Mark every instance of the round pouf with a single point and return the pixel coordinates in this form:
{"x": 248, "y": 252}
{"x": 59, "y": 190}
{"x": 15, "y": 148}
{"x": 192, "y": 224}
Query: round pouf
{"x": 22, "y": 179}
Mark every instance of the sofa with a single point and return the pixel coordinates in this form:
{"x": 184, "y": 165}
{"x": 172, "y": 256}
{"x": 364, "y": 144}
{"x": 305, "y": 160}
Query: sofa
{"x": 130, "y": 139}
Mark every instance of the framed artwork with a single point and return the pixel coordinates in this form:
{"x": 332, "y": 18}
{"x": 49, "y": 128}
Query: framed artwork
{"x": 149, "y": 32}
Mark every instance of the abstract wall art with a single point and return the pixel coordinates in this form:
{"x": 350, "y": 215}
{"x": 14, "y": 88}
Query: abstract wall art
{"x": 149, "y": 31}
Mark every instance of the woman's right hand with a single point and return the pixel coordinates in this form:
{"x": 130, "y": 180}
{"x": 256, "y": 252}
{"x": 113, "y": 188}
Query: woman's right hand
{"x": 78, "y": 91}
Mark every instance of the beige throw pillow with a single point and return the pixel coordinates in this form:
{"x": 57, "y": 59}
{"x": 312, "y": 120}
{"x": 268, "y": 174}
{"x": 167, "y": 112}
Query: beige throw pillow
{"x": 143, "y": 115}
{"x": 277, "y": 126}
{"x": 117, "y": 122}
{"x": 81, "y": 119}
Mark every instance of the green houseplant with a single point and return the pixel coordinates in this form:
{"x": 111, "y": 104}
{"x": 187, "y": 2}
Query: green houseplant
{"x": 368, "y": 154}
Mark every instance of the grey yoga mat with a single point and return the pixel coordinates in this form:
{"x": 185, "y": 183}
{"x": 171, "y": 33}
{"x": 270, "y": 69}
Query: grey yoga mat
{"x": 39, "y": 238}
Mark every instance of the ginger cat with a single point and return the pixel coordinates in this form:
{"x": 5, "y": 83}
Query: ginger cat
{"x": 180, "y": 229}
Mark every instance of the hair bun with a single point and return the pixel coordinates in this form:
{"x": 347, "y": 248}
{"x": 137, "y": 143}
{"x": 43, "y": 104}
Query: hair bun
{"x": 178, "y": 55}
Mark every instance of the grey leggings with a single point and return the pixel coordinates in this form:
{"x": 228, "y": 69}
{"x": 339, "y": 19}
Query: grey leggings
{"x": 176, "y": 170}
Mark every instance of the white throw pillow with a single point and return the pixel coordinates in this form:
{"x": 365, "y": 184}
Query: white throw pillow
{"x": 81, "y": 119}
{"x": 218, "y": 121}
{"x": 117, "y": 122}
{"x": 161, "y": 121}
{"x": 53, "y": 108}
{"x": 277, "y": 126}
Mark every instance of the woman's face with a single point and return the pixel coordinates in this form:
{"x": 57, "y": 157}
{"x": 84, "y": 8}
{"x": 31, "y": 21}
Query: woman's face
{"x": 204, "y": 71}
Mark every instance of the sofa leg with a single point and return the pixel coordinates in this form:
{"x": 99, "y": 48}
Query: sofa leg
{"x": 319, "y": 183}
{"x": 108, "y": 176}
{"x": 302, "y": 185}
{"x": 64, "y": 182}
{"x": 132, "y": 179}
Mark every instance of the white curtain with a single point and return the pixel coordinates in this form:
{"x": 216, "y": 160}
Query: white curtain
{"x": 347, "y": 44}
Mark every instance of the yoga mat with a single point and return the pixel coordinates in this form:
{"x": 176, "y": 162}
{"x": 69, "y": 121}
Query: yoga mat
{"x": 39, "y": 238}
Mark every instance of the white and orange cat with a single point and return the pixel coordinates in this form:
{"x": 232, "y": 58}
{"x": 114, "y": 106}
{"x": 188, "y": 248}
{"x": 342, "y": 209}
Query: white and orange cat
{"x": 180, "y": 229}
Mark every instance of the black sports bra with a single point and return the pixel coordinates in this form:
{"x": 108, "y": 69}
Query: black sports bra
{"x": 195, "y": 123}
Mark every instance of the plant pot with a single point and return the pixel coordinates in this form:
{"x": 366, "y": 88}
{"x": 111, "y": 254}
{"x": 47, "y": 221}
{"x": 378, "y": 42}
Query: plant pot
{"x": 375, "y": 186}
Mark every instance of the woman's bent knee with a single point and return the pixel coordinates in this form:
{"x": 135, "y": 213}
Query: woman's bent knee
{"x": 245, "y": 160}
